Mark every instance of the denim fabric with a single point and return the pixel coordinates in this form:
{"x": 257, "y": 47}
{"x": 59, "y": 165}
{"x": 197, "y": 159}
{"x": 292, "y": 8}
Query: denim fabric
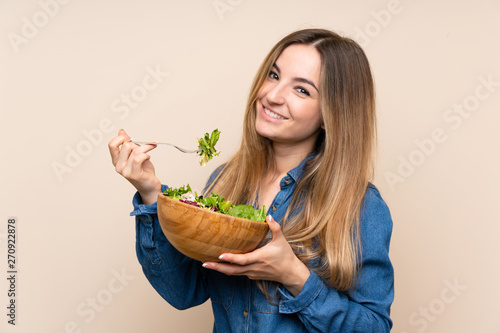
{"x": 239, "y": 305}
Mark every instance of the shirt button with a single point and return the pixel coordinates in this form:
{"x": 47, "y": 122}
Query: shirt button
{"x": 274, "y": 208}
{"x": 245, "y": 313}
{"x": 287, "y": 181}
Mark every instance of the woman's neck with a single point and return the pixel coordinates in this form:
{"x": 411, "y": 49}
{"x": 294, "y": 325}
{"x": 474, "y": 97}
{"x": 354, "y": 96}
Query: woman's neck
{"x": 287, "y": 157}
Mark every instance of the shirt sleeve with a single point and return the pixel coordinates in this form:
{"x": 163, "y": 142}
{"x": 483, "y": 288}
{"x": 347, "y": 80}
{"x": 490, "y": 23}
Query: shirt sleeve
{"x": 322, "y": 308}
{"x": 177, "y": 278}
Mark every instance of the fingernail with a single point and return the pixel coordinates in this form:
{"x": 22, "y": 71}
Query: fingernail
{"x": 204, "y": 264}
{"x": 221, "y": 257}
{"x": 270, "y": 217}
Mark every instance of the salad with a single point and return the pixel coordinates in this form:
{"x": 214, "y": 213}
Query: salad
{"x": 206, "y": 146}
{"x": 215, "y": 203}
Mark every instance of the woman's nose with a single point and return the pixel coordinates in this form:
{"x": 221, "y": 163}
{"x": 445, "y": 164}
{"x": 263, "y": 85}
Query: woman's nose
{"x": 276, "y": 94}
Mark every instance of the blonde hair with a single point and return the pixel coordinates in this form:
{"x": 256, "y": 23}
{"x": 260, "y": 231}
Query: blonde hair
{"x": 322, "y": 221}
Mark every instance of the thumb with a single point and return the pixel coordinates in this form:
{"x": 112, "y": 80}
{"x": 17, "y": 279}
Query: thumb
{"x": 122, "y": 132}
{"x": 274, "y": 227}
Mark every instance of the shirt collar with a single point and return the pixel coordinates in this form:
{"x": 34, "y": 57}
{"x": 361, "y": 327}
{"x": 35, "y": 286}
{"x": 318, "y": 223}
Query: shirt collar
{"x": 297, "y": 172}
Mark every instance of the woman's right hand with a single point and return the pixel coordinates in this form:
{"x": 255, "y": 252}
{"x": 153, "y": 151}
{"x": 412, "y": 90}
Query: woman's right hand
{"x": 132, "y": 162}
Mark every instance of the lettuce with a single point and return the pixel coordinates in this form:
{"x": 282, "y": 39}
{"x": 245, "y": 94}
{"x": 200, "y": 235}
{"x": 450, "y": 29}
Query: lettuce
{"x": 206, "y": 147}
{"x": 248, "y": 212}
{"x": 176, "y": 193}
{"x": 216, "y": 203}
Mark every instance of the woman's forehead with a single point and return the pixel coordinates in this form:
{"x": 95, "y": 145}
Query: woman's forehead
{"x": 300, "y": 60}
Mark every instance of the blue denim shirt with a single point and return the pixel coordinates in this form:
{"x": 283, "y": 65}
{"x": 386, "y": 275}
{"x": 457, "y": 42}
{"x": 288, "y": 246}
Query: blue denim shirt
{"x": 239, "y": 305}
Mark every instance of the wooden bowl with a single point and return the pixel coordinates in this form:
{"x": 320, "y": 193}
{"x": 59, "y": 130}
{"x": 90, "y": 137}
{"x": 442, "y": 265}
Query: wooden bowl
{"x": 204, "y": 235}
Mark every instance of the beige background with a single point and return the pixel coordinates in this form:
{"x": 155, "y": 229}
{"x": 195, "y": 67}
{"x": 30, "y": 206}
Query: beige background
{"x": 66, "y": 65}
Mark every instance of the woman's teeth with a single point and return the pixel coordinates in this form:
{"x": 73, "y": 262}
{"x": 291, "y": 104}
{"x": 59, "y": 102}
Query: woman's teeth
{"x": 272, "y": 114}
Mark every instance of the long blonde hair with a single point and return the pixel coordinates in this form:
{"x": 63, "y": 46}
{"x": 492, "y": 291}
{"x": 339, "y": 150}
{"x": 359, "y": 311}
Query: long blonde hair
{"x": 322, "y": 221}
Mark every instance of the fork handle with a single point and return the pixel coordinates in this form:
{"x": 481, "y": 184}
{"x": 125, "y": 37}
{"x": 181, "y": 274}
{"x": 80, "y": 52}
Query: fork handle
{"x": 187, "y": 151}
{"x": 151, "y": 143}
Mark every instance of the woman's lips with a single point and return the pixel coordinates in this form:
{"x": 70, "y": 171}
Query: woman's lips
{"x": 273, "y": 114}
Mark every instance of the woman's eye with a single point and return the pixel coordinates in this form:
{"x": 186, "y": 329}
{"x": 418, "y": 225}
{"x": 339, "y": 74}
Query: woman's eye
{"x": 303, "y": 91}
{"x": 273, "y": 75}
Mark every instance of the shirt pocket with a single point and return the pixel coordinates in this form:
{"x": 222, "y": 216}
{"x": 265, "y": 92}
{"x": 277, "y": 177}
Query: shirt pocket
{"x": 264, "y": 305}
{"x": 148, "y": 243}
{"x": 221, "y": 289}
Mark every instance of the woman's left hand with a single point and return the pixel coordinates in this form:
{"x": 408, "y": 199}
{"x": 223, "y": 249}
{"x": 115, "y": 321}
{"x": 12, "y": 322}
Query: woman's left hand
{"x": 275, "y": 261}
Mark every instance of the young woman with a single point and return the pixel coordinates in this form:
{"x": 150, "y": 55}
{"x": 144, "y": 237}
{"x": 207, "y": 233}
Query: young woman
{"x": 306, "y": 153}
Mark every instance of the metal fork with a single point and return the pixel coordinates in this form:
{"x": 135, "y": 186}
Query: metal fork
{"x": 187, "y": 151}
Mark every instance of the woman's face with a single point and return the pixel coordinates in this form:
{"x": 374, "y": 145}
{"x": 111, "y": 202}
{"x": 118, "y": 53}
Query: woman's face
{"x": 288, "y": 108}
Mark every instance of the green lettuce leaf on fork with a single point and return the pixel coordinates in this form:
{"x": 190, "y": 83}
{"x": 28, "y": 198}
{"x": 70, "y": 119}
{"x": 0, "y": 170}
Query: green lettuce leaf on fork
{"x": 206, "y": 146}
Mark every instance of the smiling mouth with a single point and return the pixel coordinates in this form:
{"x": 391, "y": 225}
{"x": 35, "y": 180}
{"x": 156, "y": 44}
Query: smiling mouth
{"x": 272, "y": 114}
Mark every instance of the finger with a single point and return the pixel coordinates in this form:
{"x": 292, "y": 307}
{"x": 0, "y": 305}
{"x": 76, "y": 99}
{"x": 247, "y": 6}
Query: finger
{"x": 132, "y": 166}
{"x": 124, "y": 155}
{"x": 136, "y": 167}
{"x": 274, "y": 227}
{"x": 240, "y": 259}
{"x": 123, "y": 133}
{"x": 147, "y": 148}
{"x": 253, "y": 257}
{"x": 114, "y": 148}
{"x": 228, "y": 269}
{"x": 115, "y": 143}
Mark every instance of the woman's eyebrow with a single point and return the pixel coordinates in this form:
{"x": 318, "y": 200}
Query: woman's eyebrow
{"x": 298, "y": 79}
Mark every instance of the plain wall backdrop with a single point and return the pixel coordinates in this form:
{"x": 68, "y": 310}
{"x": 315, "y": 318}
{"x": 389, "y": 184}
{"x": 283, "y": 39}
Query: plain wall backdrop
{"x": 74, "y": 72}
